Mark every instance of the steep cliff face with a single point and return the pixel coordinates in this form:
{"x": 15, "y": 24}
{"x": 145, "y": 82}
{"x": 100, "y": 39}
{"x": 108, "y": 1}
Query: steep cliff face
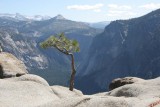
{"x": 125, "y": 48}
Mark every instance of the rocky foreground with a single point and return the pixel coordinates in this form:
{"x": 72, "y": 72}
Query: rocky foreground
{"x": 29, "y": 90}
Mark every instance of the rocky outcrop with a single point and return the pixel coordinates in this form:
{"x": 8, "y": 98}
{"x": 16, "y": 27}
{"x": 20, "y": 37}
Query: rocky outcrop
{"x": 11, "y": 66}
{"x": 33, "y": 91}
{"x": 20, "y": 93}
{"x": 123, "y": 81}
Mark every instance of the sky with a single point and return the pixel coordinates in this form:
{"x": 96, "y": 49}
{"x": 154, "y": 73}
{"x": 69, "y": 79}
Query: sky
{"x": 81, "y": 10}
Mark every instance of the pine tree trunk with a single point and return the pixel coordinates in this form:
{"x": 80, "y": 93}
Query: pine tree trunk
{"x": 72, "y": 74}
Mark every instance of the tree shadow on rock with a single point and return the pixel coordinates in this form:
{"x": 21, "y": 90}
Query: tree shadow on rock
{"x": 1, "y": 71}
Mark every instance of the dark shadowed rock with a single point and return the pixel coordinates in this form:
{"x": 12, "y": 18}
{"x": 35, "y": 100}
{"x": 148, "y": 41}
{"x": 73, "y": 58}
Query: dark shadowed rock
{"x": 123, "y": 81}
{"x": 1, "y": 71}
{"x": 18, "y": 74}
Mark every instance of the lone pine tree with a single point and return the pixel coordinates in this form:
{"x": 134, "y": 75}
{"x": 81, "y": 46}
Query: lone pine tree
{"x": 67, "y": 47}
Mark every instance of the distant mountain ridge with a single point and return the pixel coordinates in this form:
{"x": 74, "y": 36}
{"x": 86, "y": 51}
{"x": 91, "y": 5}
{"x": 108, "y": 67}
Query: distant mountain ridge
{"x": 59, "y": 17}
{"x": 20, "y": 17}
{"x": 125, "y": 48}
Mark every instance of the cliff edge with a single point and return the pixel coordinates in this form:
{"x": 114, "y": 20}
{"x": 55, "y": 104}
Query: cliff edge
{"x": 29, "y": 90}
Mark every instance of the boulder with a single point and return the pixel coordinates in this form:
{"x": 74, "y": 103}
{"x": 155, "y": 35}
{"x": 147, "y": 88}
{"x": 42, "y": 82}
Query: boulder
{"x": 123, "y": 81}
{"x": 22, "y": 93}
{"x": 11, "y": 66}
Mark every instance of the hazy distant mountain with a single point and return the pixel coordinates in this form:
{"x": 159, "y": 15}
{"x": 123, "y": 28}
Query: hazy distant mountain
{"x": 100, "y": 25}
{"x": 19, "y": 17}
{"x": 22, "y": 38}
{"x": 125, "y": 48}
